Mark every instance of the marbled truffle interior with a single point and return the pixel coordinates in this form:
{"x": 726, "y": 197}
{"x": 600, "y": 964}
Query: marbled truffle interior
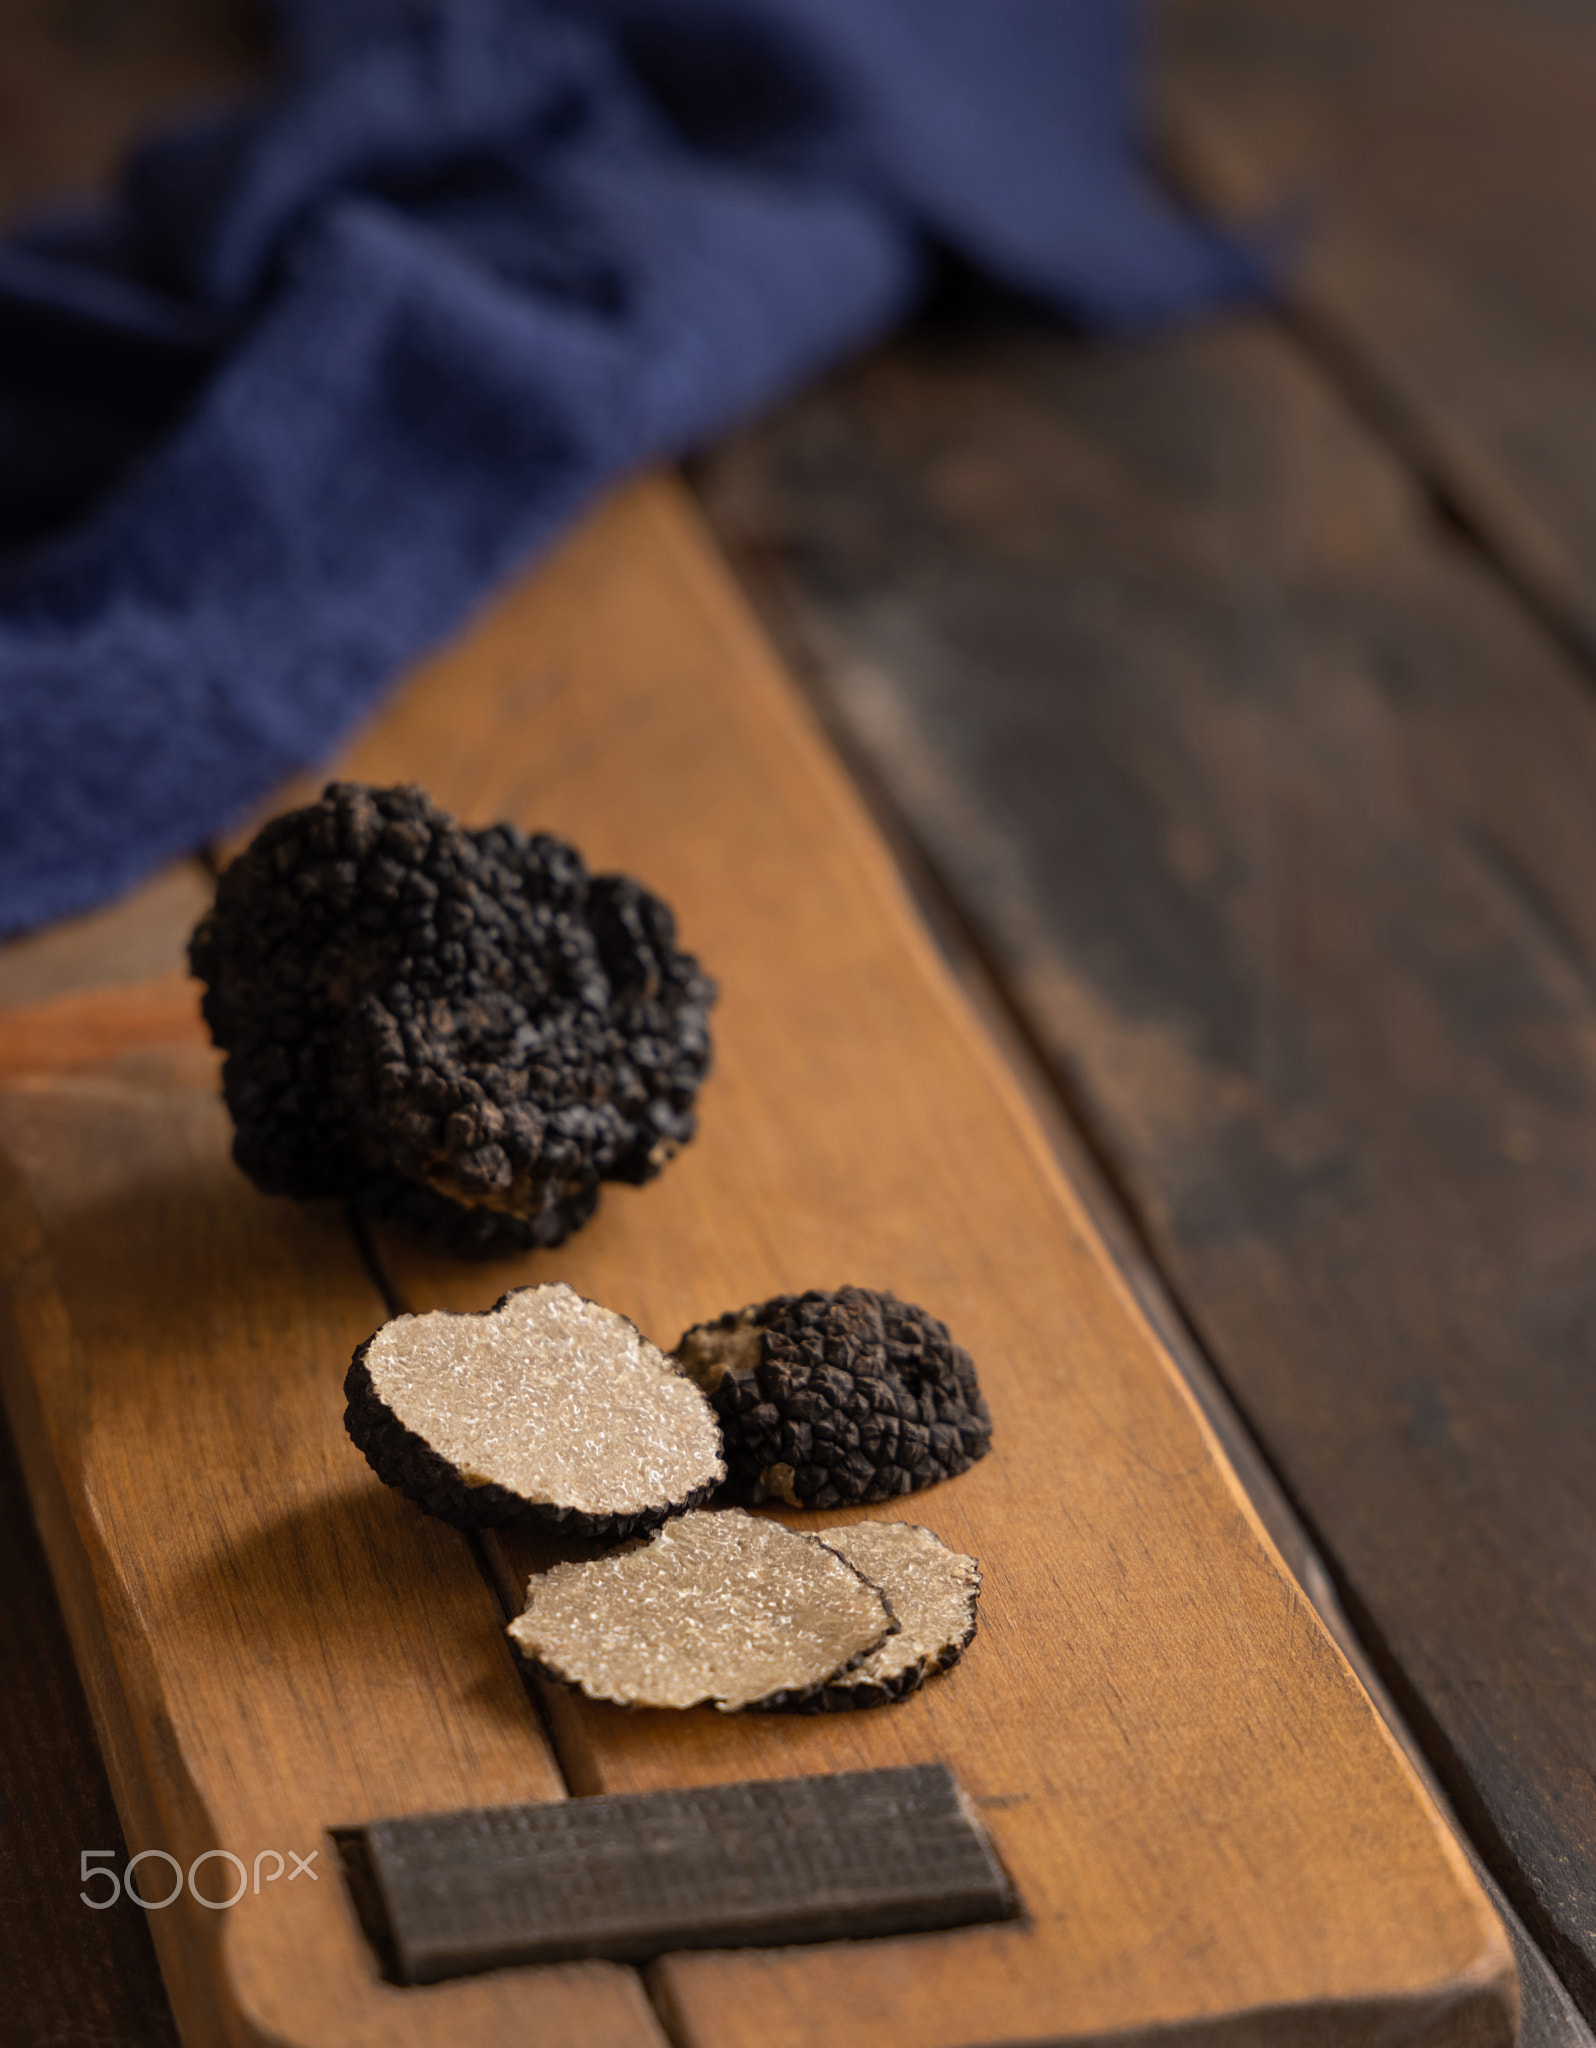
{"x": 728, "y": 1608}
{"x": 932, "y": 1591}
{"x": 555, "y": 1398}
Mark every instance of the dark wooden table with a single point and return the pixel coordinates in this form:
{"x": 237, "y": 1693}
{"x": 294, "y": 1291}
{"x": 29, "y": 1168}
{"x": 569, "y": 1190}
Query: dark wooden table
{"x": 1231, "y": 698}
{"x": 1236, "y": 690}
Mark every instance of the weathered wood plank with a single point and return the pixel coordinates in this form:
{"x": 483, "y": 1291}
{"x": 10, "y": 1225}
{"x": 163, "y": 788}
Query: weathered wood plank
{"x": 1202, "y": 1815}
{"x": 1442, "y": 154}
{"x": 63, "y": 1967}
{"x": 1276, "y": 816}
{"x": 66, "y": 1968}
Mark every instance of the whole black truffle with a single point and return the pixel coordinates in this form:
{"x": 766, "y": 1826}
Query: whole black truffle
{"x": 826, "y": 1399}
{"x": 463, "y": 1029}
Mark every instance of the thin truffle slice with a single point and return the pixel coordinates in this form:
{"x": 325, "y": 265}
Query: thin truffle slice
{"x": 460, "y": 1028}
{"x": 728, "y": 1608}
{"x": 830, "y": 1399}
{"x": 545, "y": 1407}
{"x": 933, "y": 1593}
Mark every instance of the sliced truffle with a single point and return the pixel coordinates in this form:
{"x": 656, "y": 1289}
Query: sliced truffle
{"x": 726, "y": 1608}
{"x": 829, "y": 1399}
{"x": 545, "y": 1407}
{"x": 460, "y": 1028}
{"x": 932, "y": 1591}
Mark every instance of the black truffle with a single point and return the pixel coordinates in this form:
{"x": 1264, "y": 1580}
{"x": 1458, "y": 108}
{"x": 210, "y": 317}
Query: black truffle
{"x": 462, "y": 1029}
{"x": 544, "y": 1408}
{"x": 829, "y": 1399}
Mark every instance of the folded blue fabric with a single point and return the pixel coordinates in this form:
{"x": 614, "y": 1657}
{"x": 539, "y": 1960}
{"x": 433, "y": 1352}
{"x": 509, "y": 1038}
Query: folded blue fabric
{"x": 333, "y": 362}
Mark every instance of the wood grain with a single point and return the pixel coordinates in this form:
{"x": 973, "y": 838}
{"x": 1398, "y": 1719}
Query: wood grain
{"x": 1439, "y": 156}
{"x": 129, "y": 942}
{"x": 1276, "y": 817}
{"x": 83, "y": 1030}
{"x": 59, "y": 1966}
{"x": 64, "y": 1967}
{"x": 271, "y": 1642}
{"x": 1209, "y": 1828}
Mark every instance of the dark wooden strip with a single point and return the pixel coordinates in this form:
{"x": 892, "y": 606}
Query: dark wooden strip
{"x": 1441, "y": 152}
{"x": 721, "y": 1866}
{"x": 1277, "y": 819}
{"x": 70, "y": 1973}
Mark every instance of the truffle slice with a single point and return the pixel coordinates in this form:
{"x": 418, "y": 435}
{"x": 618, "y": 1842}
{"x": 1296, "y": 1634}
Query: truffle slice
{"x": 829, "y": 1399}
{"x": 932, "y": 1591}
{"x": 545, "y": 1407}
{"x": 726, "y": 1608}
{"x": 461, "y": 1029}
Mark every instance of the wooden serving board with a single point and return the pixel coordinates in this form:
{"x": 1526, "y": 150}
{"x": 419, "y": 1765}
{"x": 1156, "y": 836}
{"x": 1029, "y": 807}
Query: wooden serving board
{"x": 1212, "y": 1834}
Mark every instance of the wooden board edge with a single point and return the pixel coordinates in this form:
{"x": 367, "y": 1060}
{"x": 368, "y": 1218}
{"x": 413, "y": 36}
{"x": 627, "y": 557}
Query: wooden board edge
{"x": 33, "y": 1314}
{"x": 1467, "y": 2012}
{"x": 89, "y": 1027}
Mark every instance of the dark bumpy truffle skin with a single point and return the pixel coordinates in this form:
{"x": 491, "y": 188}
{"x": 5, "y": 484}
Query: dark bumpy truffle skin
{"x": 463, "y": 1029}
{"x": 827, "y": 1400}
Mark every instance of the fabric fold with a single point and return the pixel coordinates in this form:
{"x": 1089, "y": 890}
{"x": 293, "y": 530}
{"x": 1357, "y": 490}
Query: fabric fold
{"x": 334, "y": 362}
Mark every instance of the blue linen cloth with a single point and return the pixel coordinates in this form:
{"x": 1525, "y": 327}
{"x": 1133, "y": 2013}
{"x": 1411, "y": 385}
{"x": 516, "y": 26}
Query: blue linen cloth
{"x": 335, "y": 360}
